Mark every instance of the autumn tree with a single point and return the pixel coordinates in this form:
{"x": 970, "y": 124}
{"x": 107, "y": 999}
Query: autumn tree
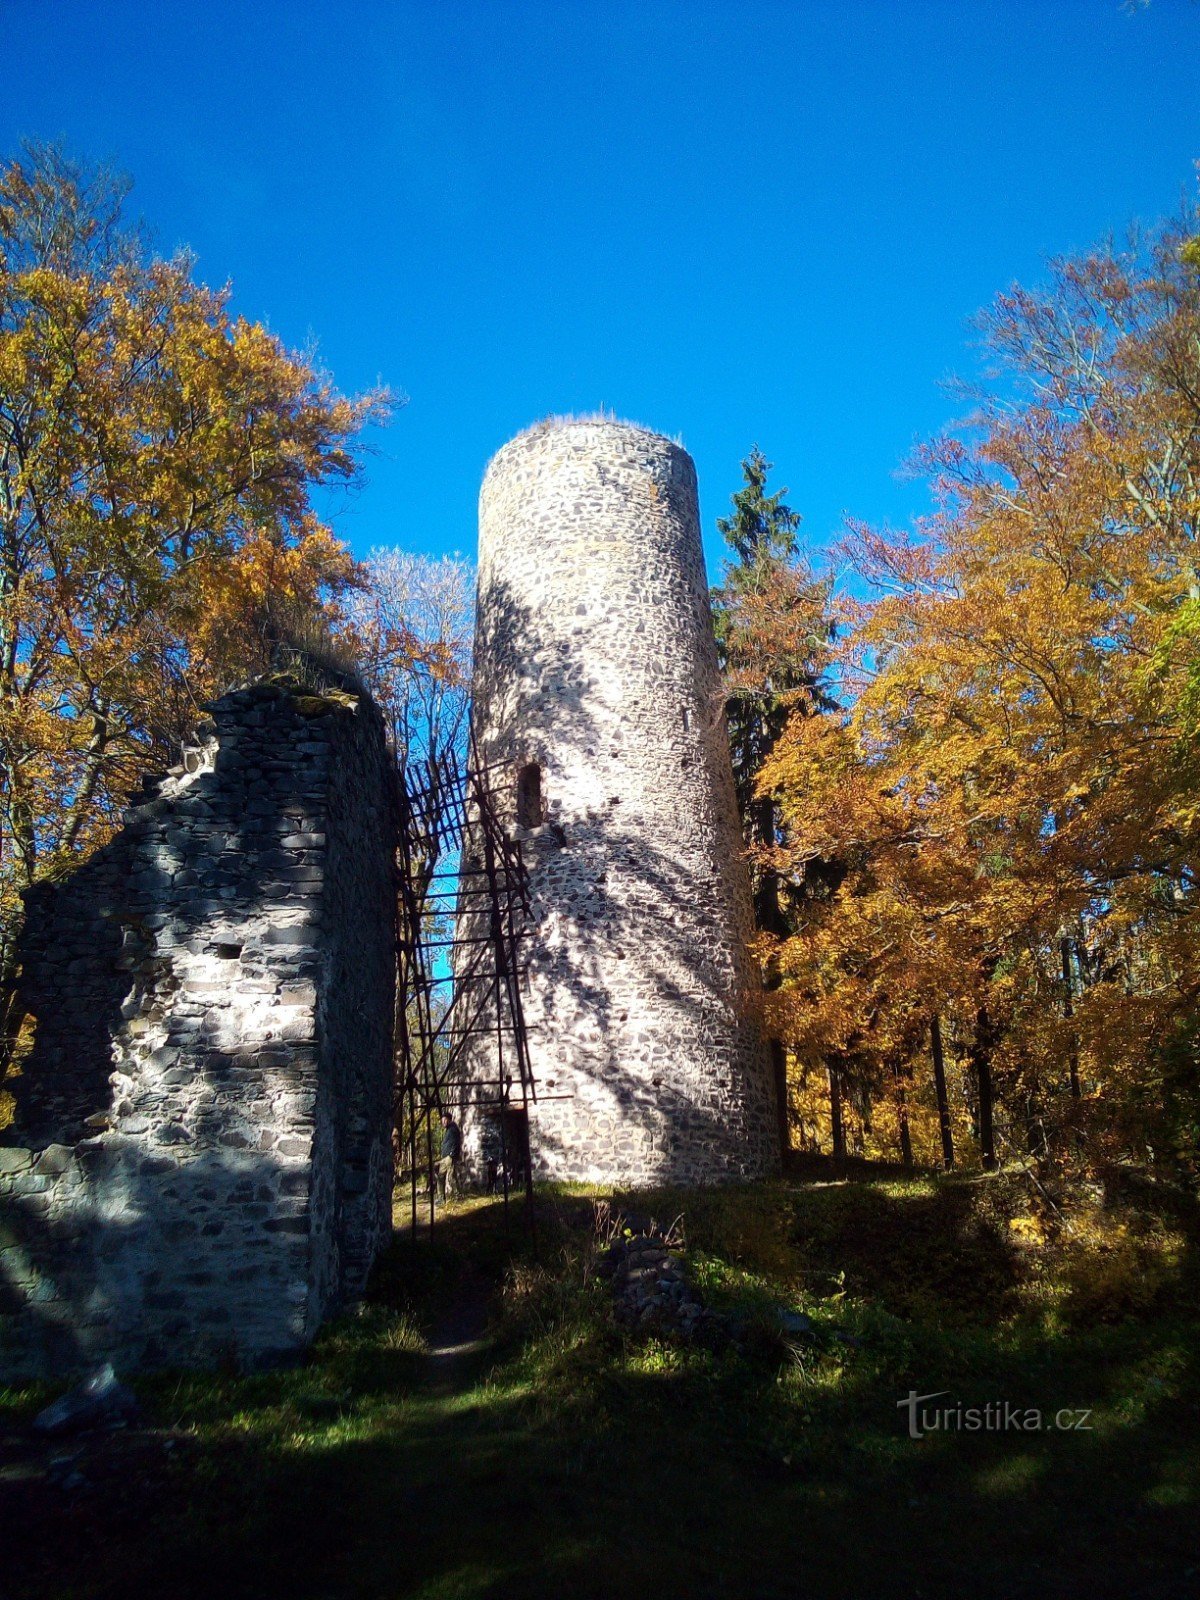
{"x": 1018, "y": 770}
{"x": 412, "y": 619}
{"x": 158, "y": 455}
{"x": 874, "y": 947}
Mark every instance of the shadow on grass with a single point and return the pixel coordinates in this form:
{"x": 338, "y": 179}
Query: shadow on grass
{"x": 911, "y": 1248}
{"x": 569, "y": 1461}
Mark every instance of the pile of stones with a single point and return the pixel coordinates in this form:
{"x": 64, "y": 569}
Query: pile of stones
{"x": 652, "y": 1295}
{"x": 650, "y": 1287}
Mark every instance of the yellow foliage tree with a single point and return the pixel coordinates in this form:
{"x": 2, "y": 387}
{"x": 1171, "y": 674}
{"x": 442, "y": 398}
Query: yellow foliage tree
{"x": 157, "y": 461}
{"x": 1012, "y": 798}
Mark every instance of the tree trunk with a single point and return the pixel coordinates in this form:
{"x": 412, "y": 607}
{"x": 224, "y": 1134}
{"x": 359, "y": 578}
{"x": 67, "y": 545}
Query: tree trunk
{"x": 943, "y": 1099}
{"x": 837, "y": 1126}
{"x": 768, "y": 914}
{"x": 906, "y": 1154}
{"x": 11, "y": 1015}
{"x": 981, "y": 1059}
{"x": 1036, "y": 1142}
{"x": 779, "y": 1072}
{"x": 1068, "y": 1013}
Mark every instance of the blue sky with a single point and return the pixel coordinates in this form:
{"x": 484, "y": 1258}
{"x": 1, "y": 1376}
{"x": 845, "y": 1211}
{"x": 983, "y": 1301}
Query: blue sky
{"x": 737, "y": 223}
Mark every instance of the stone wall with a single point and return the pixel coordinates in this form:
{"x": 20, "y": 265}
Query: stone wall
{"x": 201, "y": 1162}
{"x": 595, "y": 664}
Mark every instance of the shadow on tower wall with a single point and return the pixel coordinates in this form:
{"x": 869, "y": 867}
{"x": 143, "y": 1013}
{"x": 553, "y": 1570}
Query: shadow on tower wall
{"x": 641, "y": 996}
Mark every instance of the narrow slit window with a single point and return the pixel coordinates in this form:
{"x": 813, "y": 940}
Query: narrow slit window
{"x": 529, "y": 797}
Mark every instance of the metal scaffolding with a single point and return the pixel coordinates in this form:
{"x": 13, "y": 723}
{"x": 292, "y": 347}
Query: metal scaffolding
{"x": 463, "y": 914}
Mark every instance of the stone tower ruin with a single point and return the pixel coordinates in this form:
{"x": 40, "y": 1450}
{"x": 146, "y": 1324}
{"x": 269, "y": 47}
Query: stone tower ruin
{"x": 598, "y": 711}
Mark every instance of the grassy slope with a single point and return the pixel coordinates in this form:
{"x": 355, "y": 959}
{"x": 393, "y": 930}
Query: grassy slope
{"x": 568, "y": 1460}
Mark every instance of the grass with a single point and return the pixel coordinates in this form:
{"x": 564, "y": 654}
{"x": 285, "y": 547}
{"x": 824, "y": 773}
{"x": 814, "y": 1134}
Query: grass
{"x": 566, "y": 1458}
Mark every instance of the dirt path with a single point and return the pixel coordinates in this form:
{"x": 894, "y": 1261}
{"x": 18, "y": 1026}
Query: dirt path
{"x": 459, "y": 1339}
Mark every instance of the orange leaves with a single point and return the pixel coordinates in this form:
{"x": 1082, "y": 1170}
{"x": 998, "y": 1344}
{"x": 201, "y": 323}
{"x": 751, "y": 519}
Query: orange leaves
{"x": 227, "y": 595}
{"x": 1018, "y": 764}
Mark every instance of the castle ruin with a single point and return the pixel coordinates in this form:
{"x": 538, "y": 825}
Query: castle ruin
{"x": 201, "y": 1164}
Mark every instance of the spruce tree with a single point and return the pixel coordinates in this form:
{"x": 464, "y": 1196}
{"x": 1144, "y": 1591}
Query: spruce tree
{"x": 773, "y": 635}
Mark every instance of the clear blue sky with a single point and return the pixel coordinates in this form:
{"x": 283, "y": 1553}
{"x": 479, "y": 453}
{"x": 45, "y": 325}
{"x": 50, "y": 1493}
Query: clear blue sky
{"x": 734, "y": 222}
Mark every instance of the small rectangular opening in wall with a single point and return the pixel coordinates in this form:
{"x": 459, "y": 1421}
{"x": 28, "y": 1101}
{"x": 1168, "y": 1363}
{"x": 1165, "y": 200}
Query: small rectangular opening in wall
{"x": 516, "y": 1139}
{"x": 228, "y": 952}
{"x": 530, "y": 810}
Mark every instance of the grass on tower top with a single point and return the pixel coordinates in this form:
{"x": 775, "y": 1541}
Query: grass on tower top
{"x": 572, "y": 419}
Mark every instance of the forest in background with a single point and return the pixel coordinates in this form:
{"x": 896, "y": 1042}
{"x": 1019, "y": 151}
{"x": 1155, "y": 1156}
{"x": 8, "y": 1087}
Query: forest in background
{"x": 967, "y": 754}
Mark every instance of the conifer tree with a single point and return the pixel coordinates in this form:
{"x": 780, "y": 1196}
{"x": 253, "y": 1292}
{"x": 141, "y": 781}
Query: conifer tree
{"x": 773, "y": 636}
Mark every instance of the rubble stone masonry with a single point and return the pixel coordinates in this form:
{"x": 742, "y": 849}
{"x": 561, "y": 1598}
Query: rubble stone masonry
{"x": 201, "y": 1161}
{"x": 598, "y": 700}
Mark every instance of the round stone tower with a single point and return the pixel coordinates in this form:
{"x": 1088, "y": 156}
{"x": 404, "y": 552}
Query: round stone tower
{"x": 598, "y": 708}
